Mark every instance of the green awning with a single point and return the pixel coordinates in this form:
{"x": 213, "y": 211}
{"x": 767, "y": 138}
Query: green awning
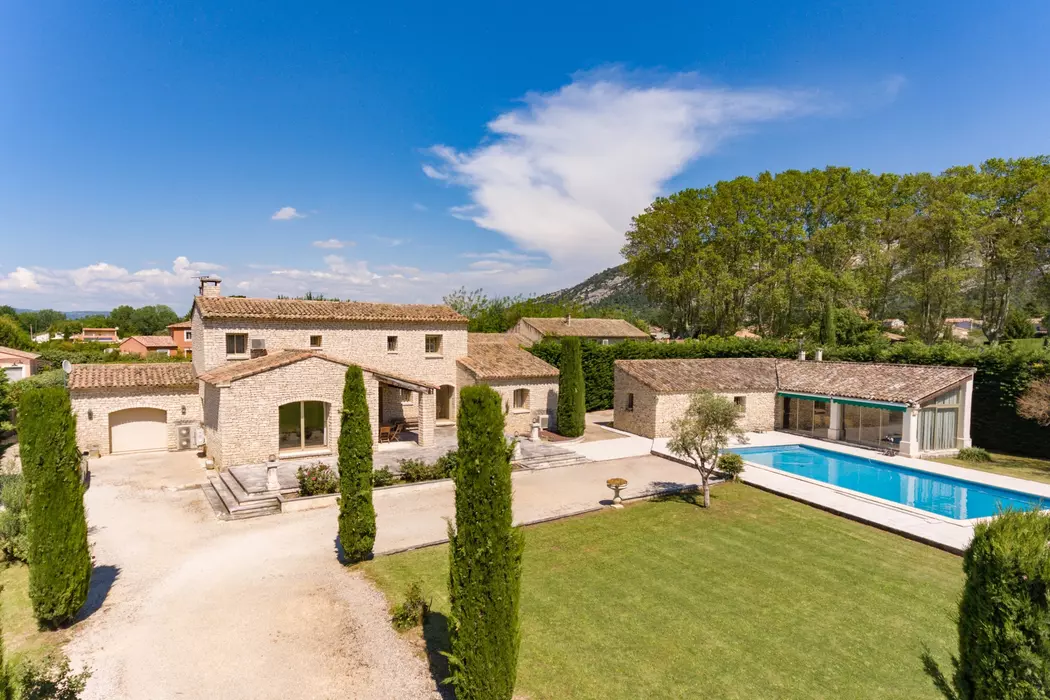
{"x": 873, "y": 404}
{"x": 804, "y": 397}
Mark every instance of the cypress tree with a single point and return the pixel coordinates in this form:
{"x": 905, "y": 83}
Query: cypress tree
{"x": 59, "y": 557}
{"x": 485, "y": 553}
{"x": 572, "y": 406}
{"x": 357, "y": 516}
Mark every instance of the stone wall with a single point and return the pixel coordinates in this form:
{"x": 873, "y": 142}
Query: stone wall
{"x": 93, "y": 433}
{"x": 364, "y": 343}
{"x": 642, "y": 419}
{"x": 542, "y": 400}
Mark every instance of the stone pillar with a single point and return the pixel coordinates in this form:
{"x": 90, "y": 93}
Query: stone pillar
{"x": 963, "y": 440}
{"x": 372, "y": 391}
{"x": 909, "y": 446}
{"x": 427, "y": 418}
{"x": 836, "y": 430}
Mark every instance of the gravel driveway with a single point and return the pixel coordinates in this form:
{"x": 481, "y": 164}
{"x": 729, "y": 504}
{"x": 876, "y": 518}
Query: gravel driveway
{"x": 192, "y": 607}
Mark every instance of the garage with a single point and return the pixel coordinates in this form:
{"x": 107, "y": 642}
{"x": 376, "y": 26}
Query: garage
{"x": 138, "y": 429}
{"x": 15, "y": 372}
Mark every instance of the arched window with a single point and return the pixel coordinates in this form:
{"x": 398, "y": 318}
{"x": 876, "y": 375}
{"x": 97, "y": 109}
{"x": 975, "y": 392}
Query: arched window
{"x": 521, "y": 398}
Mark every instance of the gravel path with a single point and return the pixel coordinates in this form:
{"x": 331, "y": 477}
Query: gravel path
{"x": 200, "y": 608}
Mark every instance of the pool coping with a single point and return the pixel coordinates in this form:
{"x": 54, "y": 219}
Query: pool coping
{"x": 946, "y": 533}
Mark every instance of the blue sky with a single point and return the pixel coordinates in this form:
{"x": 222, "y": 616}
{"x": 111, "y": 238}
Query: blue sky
{"x": 374, "y": 151}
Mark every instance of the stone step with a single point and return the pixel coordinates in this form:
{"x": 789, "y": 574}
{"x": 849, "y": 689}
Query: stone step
{"x": 238, "y": 510}
{"x": 242, "y": 494}
{"x": 570, "y": 459}
{"x": 212, "y": 496}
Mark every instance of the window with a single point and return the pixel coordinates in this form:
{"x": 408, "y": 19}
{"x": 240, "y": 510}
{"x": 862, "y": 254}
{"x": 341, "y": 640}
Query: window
{"x": 315, "y": 341}
{"x": 406, "y": 395}
{"x": 302, "y": 425}
{"x": 433, "y": 344}
{"x": 187, "y": 335}
{"x": 521, "y": 398}
{"x": 236, "y": 343}
{"x": 605, "y": 341}
{"x": 939, "y": 422}
{"x": 630, "y": 402}
{"x": 391, "y": 343}
{"x": 741, "y": 403}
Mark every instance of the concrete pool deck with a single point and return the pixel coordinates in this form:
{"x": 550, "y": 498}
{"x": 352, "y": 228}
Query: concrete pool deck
{"x": 940, "y": 531}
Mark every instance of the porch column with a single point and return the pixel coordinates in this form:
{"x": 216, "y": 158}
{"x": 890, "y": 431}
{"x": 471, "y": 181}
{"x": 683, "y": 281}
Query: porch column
{"x": 909, "y": 446}
{"x": 835, "y": 430}
{"x": 962, "y": 440}
{"x": 427, "y": 417}
{"x": 372, "y": 391}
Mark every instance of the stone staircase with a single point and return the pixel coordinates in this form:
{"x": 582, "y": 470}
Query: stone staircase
{"x": 545, "y": 455}
{"x": 232, "y": 501}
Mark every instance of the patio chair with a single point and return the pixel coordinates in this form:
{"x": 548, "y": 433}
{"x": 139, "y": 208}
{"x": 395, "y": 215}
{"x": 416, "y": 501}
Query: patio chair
{"x": 396, "y": 432}
{"x": 384, "y": 433}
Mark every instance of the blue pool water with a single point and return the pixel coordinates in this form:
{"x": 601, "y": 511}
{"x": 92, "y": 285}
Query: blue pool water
{"x": 942, "y": 495}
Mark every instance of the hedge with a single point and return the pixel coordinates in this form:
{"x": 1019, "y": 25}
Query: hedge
{"x": 1003, "y": 373}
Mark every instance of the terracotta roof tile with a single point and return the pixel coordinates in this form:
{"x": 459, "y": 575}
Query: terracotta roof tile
{"x": 895, "y": 383}
{"x": 139, "y": 374}
{"x": 154, "y": 341}
{"x": 301, "y": 310}
{"x": 674, "y": 376}
{"x": 495, "y": 356}
{"x": 586, "y": 327}
{"x": 18, "y": 353}
{"x": 241, "y": 369}
{"x": 181, "y": 324}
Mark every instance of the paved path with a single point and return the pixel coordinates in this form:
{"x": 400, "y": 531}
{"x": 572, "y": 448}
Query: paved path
{"x": 187, "y": 606}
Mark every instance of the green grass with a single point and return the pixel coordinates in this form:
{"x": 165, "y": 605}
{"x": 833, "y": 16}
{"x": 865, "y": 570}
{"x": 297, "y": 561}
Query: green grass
{"x": 22, "y": 637}
{"x": 1009, "y": 465}
{"x": 1026, "y": 343}
{"x": 759, "y": 597}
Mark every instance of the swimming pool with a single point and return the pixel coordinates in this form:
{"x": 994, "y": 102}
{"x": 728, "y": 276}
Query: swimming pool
{"x": 942, "y": 495}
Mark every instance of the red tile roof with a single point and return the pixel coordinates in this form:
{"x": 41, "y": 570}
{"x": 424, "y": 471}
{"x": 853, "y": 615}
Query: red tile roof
{"x": 496, "y": 356}
{"x": 302, "y": 310}
{"x": 138, "y": 374}
{"x": 241, "y": 369}
{"x": 153, "y": 341}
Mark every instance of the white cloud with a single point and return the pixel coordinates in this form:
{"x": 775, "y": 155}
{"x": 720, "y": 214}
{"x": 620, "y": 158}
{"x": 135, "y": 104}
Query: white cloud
{"x": 507, "y": 255}
{"x": 332, "y": 244}
{"x": 286, "y": 214}
{"x": 419, "y": 207}
{"x": 392, "y": 242}
{"x": 21, "y": 279}
{"x": 565, "y": 173}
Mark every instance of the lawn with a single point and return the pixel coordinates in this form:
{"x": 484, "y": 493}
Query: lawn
{"x": 760, "y": 597}
{"x": 1009, "y": 465}
{"x": 22, "y": 638}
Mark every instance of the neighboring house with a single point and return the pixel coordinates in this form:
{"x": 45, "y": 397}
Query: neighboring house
{"x": 182, "y": 334}
{"x": 148, "y": 345}
{"x": 18, "y": 364}
{"x": 602, "y": 330}
{"x": 97, "y": 335}
{"x": 894, "y": 324}
{"x": 916, "y": 410}
{"x": 747, "y": 334}
{"x": 527, "y": 385}
{"x": 268, "y": 378}
{"x": 44, "y": 337}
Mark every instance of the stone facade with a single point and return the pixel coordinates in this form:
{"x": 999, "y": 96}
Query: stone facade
{"x": 542, "y": 400}
{"x": 93, "y": 433}
{"x": 653, "y": 413}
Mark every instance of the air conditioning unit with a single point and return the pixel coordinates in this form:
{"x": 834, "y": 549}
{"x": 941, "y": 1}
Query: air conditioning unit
{"x": 186, "y": 437}
{"x": 545, "y": 421}
{"x": 258, "y": 343}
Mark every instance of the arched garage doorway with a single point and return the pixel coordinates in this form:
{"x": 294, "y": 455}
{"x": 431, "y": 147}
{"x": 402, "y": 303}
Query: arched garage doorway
{"x": 138, "y": 429}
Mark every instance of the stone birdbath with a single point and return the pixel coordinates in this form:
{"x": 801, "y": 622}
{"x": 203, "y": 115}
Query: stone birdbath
{"x": 616, "y": 485}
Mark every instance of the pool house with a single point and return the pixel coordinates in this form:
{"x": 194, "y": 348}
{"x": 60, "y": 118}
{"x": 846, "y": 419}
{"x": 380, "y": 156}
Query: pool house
{"x": 910, "y": 409}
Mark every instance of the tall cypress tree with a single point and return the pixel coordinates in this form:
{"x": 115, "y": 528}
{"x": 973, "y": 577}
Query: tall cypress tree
{"x": 572, "y": 405}
{"x": 59, "y": 557}
{"x": 485, "y": 554}
{"x": 357, "y": 516}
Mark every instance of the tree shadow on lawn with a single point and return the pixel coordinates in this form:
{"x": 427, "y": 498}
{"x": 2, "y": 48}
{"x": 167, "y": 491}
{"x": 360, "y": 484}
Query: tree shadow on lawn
{"x": 435, "y": 636}
{"x": 691, "y": 494}
{"x": 102, "y": 580}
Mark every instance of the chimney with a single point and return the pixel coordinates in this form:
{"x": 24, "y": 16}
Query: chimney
{"x": 802, "y": 355}
{"x": 210, "y": 287}
{"x": 819, "y": 357}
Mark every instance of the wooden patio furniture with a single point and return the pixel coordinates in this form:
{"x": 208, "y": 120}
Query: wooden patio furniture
{"x": 384, "y": 433}
{"x": 395, "y": 433}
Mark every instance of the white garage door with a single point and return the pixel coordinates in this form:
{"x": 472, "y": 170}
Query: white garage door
{"x": 136, "y": 429}
{"x": 14, "y": 372}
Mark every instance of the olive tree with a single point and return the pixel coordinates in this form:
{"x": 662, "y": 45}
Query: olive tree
{"x": 703, "y": 431}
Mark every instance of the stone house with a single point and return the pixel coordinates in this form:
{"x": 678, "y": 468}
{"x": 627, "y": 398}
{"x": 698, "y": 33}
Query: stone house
{"x": 268, "y": 377}
{"x": 912, "y": 409}
{"x": 602, "y": 330}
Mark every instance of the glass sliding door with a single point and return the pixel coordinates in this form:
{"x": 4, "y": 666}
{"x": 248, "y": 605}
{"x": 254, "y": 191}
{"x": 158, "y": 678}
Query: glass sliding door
{"x": 302, "y": 425}
{"x": 872, "y": 426}
{"x": 939, "y": 422}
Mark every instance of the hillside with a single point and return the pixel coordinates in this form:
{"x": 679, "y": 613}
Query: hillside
{"x": 610, "y": 288}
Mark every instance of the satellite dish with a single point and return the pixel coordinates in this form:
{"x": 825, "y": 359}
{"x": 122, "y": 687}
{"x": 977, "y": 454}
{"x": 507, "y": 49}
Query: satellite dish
{"x": 67, "y": 366}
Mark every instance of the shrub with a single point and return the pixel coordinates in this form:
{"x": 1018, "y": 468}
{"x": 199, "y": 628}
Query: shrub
{"x": 572, "y": 405}
{"x": 447, "y": 463}
{"x": 731, "y": 464}
{"x": 316, "y": 479}
{"x": 383, "y": 477}
{"x": 485, "y": 554}
{"x": 412, "y": 610}
{"x": 50, "y": 377}
{"x": 974, "y": 454}
{"x": 1004, "y": 613}
{"x": 59, "y": 558}
{"x": 413, "y": 470}
{"x": 51, "y": 679}
{"x": 357, "y": 515}
{"x": 14, "y": 519}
